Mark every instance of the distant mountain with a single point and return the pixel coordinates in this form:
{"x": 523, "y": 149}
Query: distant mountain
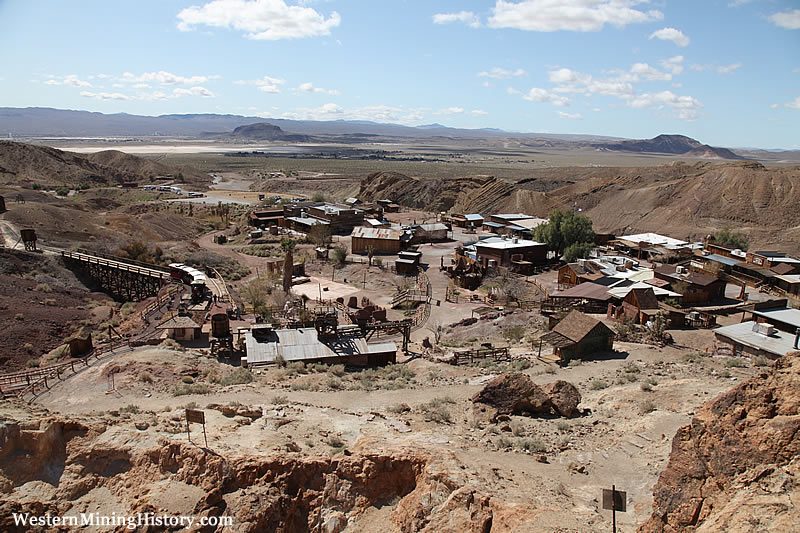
{"x": 670, "y": 144}
{"x": 263, "y": 131}
{"x": 47, "y": 122}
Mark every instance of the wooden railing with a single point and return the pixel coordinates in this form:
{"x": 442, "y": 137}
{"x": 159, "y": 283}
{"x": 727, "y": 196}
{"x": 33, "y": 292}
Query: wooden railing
{"x": 469, "y": 356}
{"x": 37, "y": 380}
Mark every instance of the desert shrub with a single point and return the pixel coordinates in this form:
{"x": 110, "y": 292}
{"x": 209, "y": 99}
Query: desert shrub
{"x": 435, "y": 410}
{"x": 646, "y": 387}
{"x": 62, "y": 191}
{"x": 132, "y": 409}
{"x": 44, "y": 287}
{"x": 562, "y": 426}
{"x": 575, "y": 362}
{"x": 338, "y": 255}
{"x": 532, "y": 445}
{"x": 127, "y": 309}
{"x": 652, "y": 381}
{"x": 187, "y": 380}
{"x": 279, "y": 360}
{"x": 504, "y": 442}
{"x": 194, "y": 388}
{"x": 170, "y": 343}
{"x": 145, "y": 377}
{"x": 735, "y": 362}
{"x": 597, "y": 384}
{"x": 334, "y": 383}
{"x": 336, "y": 370}
{"x": 632, "y": 368}
{"x": 647, "y": 406}
{"x": 693, "y": 357}
{"x": 50, "y": 302}
{"x": 33, "y": 363}
{"x": 335, "y": 441}
{"x": 760, "y": 360}
{"x": 19, "y": 316}
{"x": 279, "y": 399}
{"x": 297, "y": 367}
{"x": 240, "y": 376}
{"x": 520, "y": 364}
{"x": 725, "y": 374}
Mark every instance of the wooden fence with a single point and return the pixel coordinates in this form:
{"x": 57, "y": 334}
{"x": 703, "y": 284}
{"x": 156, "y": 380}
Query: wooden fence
{"x": 469, "y": 356}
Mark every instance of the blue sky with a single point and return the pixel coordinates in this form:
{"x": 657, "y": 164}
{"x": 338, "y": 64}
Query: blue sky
{"x": 726, "y": 72}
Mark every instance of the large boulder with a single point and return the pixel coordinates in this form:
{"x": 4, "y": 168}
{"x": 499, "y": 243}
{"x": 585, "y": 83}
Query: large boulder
{"x": 514, "y": 393}
{"x": 564, "y": 397}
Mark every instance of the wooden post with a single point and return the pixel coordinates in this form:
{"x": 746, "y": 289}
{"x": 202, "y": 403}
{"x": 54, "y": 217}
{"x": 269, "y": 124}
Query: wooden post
{"x": 613, "y": 509}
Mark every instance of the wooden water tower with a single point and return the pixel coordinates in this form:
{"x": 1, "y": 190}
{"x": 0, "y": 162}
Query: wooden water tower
{"x": 29, "y": 238}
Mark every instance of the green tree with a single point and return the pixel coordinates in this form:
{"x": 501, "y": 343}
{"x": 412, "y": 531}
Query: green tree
{"x": 563, "y": 229}
{"x": 288, "y": 246}
{"x": 320, "y": 234}
{"x": 731, "y": 239}
{"x": 318, "y": 197}
{"x": 338, "y": 255}
{"x": 577, "y": 250}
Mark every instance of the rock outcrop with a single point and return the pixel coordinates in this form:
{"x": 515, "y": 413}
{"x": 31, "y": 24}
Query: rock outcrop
{"x": 515, "y": 393}
{"x": 736, "y": 466}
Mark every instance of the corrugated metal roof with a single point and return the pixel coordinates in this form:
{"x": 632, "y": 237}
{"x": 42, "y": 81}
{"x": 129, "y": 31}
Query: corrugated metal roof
{"x": 473, "y": 217}
{"x": 779, "y": 343}
{"x": 433, "y": 227}
{"x": 787, "y": 316}
{"x": 376, "y": 233}
{"x": 722, "y": 259}
{"x": 303, "y": 344}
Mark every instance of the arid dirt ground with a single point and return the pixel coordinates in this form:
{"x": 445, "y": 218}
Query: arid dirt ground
{"x": 534, "y": 473}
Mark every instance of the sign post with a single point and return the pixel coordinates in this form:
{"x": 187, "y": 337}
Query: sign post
{"x": 199, "y": 417}
{"x": 614, "y": 500}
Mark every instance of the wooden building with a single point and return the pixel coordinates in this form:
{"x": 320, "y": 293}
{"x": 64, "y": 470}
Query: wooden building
{"x": 579, "y": 336}
{"x": 640, "y": 305}
{"x": 389, "y": 206}
{"x": 573, "y": 274}
{"x": 382, "y": 240}
{"x": 429, "y": 232}
{"x": 695, "y": 288}
{"x": 266, "y": 217}
{"x": 342, "y": 218}
{"x": 770, "y": 259}
{"x": 517, "y": 254}
{"x": 181, "y": 328}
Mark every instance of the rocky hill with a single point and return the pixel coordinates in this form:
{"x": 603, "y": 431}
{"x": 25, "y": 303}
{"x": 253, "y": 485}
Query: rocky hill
{"x": 670, "y": 144}
{"x": 683, "y": 200}
{"x": 263, "y": 131}
{"x": 25, "y": 164}
{"x": 736, "y": 466}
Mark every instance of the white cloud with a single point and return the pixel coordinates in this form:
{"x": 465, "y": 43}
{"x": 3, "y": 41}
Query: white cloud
{"x": 498, "y": 73}
{"x": 569, "y": 15}
{"x": 794, "y": 104}
{"x": 673, "y": 64}
{"x": 684, "y": 107}
{"x": 266, "y": 84}
{"x": 141, "y": 86}
{"x": 671, "y": 34}
{"x": 478, "y": 112}
{"x": 573, "y": 116}
{"x": 649, "y": 73}
{"x": 537, "y": 94}
{"x": 193, "y": 91}
{"x": 308, "y": 87}
{"x": 789, "y": 19}
{"x": 565, "y": 75}
{"x": 71, "y": 79}
{"x": 105, "y": 96}
{"x": 450, "y": 111}
{"x": 467, "y": 17}
{"x": 260, "y": 19}
{"x": 728, "y": 69}
{"x": 164, "y": 78}
{"x": 723, "y": 69}
{"x": 737, "y": 3}
{"x": 377, "y": 113}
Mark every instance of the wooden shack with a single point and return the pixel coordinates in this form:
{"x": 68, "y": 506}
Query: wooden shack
{"x": 382, "y": 240}
{"x": 579, "y": 336}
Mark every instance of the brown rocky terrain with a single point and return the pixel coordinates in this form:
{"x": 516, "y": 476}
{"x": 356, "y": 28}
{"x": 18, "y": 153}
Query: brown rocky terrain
{"x": 25, "y": 164}
{"x": 682, "y": 200}
{"x": 735, "y": 467}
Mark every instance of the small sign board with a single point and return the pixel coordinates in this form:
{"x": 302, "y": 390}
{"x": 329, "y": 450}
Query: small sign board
{"x": 614, "y": 500}
{"x": 199, "y": 417}
{"x": 195, "y": 415}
